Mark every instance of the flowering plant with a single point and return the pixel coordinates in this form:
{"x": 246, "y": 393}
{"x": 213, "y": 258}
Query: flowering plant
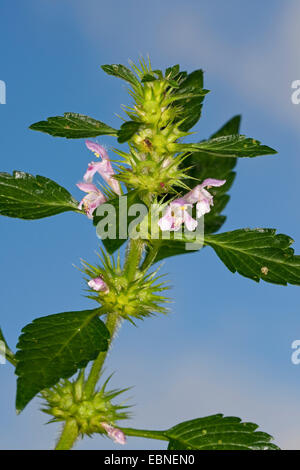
{"x": 181, "y": 190}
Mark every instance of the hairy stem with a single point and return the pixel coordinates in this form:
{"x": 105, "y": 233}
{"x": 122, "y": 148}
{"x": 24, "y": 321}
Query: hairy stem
{"x": 11, "y": 358}
{"x": 133, "y": 258}
{"x": 68, "y": 436}
{"x": 112, "y": 322}
{"x": 70, "y": 431}
{"x": 131, "y": 265}
{"x": 6, "y": 351}
{"x": 160, "y": 435}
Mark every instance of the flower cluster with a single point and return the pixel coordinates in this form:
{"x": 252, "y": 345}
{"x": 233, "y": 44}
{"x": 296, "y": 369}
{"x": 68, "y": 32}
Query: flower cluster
{"x": 154, "y": 162}
{"x": 95, "y": 197}
{"x": 177, "y": 212}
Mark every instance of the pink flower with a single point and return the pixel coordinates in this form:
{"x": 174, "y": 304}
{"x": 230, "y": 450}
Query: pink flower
{"x": 177, "y": 214}
{"x": 177, "y": 211}
{"x": 92, "y": 200}
{"x": 202, "y": 197}
{"x": 103, "y": 167}
{"x": 115, "y": 434}
{"x": 98, "y": 285}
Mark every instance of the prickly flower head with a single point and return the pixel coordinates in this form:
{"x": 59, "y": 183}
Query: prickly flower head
{"x": 93, "y": 414}
{"x": 132, "y": 299}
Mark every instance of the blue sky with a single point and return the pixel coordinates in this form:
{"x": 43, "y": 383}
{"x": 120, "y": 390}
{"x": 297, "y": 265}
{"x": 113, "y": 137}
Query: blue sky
{"x": 226, "y": 345}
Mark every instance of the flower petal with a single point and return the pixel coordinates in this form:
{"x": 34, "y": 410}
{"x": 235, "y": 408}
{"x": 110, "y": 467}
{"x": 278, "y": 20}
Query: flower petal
{"x": 212, "y": 182}
{"x": 105, "y": 169}
{"x": 203, "y": 207}
{"x": 98, "y": 285}
{"x": 114, "y": 433}
{"x": 91, "y": 201}
{"x": 97, "y": 149}
{"x": 87, "y": 187}
{"x": 189, "y": 222}
{"x": 194, "y": 195}
{"x": 91, "y": 170}
{"x": 167, "y": 221}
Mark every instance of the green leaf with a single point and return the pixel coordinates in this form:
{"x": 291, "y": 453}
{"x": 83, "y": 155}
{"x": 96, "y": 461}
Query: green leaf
{"x": 172, "y": 72}
{"x": 191, "y": 90}
{"x": 128, "y": 129}
{"x": 113, "y": 244}
{"x": 147, "y": 77}
{"x": 230, "y": 146}
{"x": 168, "y": 248}
{"x": 55, "y": 347}
{"x": 231, "y": 127}
{"x": 218, "y": 433}
{"x": 120, "y": 71}
{"x": 73, "y": 126}
{"x": 258, "y": 254}
{"x": 33, "y": 197}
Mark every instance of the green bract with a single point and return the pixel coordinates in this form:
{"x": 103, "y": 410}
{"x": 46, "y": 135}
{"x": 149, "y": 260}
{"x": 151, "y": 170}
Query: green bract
{"x": 130, "y": 299}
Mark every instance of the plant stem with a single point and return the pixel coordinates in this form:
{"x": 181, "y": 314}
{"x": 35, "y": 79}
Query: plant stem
{"x": 70, "y": 430}
{"x": 6, "y": 351}
{"x": 112, "y": 322}
{"x": 133, "y": 258}
{"x": 68, "y": 436}
{"x": 160, "y": 435}
{"x": 11, "y": 358}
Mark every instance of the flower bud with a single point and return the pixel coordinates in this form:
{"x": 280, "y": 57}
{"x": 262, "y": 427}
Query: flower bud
{"x": 115, "y": 434}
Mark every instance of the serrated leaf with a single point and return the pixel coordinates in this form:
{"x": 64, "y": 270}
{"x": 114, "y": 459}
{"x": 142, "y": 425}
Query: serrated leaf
{"x": 127, "y": 130}
{"x": 172, "y": 72}
{"x": 230, "y": 146}
{"x": 231, "y": 127}
{"x": 168, "y": 248}
{"x": 147, "y": 77}
{"x": 33, "y": 197}
{"x": 218, "y": 433}
{"x": 120, "y": 71}
{"x": 258, "y": 254}
{"x": 73, "y": 126}
{"x": 55, "y": 347}
{"x": 191, "y": 87}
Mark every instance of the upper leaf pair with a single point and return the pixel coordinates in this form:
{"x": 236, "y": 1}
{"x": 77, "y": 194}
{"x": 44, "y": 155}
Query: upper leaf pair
{"x": 188, "y": 92}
